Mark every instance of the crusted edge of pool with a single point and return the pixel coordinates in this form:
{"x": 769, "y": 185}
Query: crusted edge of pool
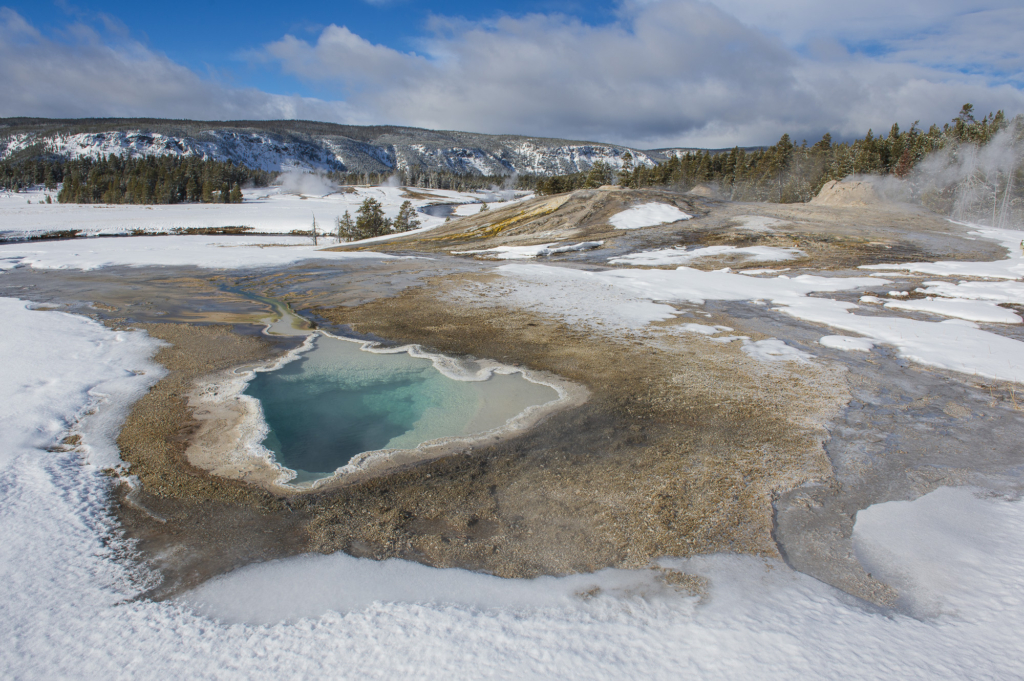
{"x": 227, "y": 442}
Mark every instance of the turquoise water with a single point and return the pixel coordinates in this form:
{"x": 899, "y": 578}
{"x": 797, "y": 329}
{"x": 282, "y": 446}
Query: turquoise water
{"x": 338, "y": 401}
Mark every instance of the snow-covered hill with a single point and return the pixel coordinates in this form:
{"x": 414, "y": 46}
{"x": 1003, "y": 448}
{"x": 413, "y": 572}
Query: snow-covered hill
{"x": 283, "y": 145}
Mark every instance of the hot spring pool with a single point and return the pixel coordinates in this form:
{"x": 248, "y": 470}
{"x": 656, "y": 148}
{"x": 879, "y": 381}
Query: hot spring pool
{"x": 337, "y": 401}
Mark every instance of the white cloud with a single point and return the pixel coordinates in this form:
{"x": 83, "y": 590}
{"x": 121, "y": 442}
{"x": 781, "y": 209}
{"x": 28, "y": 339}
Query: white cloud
{"x": 681, "y": 72}
{"x": 87, "y": 74}
{"x": 663, "y": 73}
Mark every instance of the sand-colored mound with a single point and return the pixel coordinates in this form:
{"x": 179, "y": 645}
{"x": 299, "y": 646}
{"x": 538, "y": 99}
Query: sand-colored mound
{"x": 848, "y": 193}
{"x": 705, "y": 191}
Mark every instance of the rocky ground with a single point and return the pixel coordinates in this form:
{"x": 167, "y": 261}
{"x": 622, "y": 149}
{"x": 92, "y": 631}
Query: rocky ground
{"x": 686, "y": 445}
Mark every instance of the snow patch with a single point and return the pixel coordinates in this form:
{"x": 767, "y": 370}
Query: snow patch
{"x": 679, "y": 255}
{"x": 526, "y": 252}
{"x": 847, "y": 343}
{"x": 775, "y": 350}
{"x": 647, "y": 215}
{"x": 200, "y": 251}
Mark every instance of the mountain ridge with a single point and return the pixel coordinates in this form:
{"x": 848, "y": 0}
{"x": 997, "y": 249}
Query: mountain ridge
{"x": 311, "y": 146}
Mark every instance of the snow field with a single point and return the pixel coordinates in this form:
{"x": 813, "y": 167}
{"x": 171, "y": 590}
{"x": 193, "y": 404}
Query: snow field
{"x": 647, "y": 215}
{"x": 67, "y": 607}
{"x": 222, "y": 252}
{"x": 66, "y": 599}
{"x": 278, "y": 210}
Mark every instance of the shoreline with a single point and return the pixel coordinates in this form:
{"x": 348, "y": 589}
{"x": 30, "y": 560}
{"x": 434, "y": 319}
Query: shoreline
{"x": 232, "y": 426}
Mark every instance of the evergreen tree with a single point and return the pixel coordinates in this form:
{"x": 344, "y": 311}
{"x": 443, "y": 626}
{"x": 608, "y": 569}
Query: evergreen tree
{"x": 406, "y": 219}
{"x": 600, "y": 174}
{"x": 346, "y": 228}
{"x": 625, "y": 175}
{"x": 370, "y": 220}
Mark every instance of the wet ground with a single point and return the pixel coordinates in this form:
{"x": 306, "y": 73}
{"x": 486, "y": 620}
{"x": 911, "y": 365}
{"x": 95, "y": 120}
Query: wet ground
{"x": 684, "y": 447}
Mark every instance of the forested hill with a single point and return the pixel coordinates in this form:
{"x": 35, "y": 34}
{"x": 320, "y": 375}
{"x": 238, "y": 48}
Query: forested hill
{"x": 970, "y": 168}
{"x": 283, "y": 145}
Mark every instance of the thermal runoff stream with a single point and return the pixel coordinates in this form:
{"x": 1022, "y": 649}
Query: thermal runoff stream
{"x": 338, "y": 400}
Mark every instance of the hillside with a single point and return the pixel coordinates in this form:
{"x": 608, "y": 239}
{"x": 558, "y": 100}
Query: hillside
{"x": 283, "y": 145}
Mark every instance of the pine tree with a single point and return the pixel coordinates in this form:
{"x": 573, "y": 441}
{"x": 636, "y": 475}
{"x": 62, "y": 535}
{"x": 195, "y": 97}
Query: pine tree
{"x": 346, "y": 228}
{"x": 370, "y": 220}
{"x": 406, "y": 219}
{"x": 625, "y": 175}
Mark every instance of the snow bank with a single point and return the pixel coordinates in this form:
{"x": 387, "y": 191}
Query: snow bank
{"x": 973, "y": 310}
{"x": 68, "y": 605}
{"x": 278, "y": 210}
{"x": 679, "y": 255}
{"x": 200, "y": 251}
{"x": 947, "y": 553}
{"x": 525, "y": 252}
{"x": 647, "y": 215}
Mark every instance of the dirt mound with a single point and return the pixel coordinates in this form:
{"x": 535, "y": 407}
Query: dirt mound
{"x": 850, "y": 193}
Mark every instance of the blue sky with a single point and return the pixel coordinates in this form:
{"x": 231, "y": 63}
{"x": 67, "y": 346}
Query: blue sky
{"x": 214, "y": 35}
{"x": 642, "y": 72}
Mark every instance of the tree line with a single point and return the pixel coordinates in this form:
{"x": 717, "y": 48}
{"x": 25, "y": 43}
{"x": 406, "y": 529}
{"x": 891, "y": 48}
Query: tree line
{"x": 790, "y": 173}
{"x": 436, "y": 179}
{"x": 144, "y": 180}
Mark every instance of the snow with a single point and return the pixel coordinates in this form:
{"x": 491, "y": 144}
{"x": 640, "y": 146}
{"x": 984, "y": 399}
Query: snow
{"x": 777, "y": 270}
{"x": 847, "y": 343}
{"x": 995, "y": 291}
{"x": 468, "y": 209}
{"x": 222, "y": 252}
{"x": 679, "y": 255}
{"x": 270, "y": 209}
{"x": 630, "y": 300}
{"x": 647, "y": 215}
{"x": 68, "y": 596}
{"x": 703, "y": 329}
{"x": 936, "y": 551}
{"x": 973, "y": 310}
{"x": 68, "y": 606}
{"x": 1010, "y": 268}
{"x": 774, "y": 350}
{"x": 525, "y": 252}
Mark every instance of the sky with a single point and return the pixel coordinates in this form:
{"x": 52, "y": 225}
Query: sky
{"x": 646, "y": 73}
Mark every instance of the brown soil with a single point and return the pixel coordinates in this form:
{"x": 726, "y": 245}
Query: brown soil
{"x": 677, "y": 452}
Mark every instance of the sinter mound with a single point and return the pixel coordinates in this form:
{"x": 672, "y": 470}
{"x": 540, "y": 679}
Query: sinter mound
{"x": 849, "y": 193}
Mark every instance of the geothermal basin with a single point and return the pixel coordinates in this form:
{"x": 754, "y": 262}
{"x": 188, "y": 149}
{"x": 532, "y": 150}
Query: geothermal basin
{"x": 339, "y": 399}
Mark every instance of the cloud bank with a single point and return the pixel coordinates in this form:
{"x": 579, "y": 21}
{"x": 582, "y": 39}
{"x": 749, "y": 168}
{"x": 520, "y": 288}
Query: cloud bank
{"x": 663, "y": 73}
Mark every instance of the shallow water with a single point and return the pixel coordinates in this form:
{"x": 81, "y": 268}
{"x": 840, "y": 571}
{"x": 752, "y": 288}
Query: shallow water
{"x": 338, "y": 401}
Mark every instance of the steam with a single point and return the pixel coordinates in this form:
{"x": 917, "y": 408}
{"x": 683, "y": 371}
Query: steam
{"x": 393, "y": 181}
{"x": 983, "y": 184}
{"x": 506, "y": 192}
{"x": 301, "y": 182}
{"x": 978, "y": 183}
